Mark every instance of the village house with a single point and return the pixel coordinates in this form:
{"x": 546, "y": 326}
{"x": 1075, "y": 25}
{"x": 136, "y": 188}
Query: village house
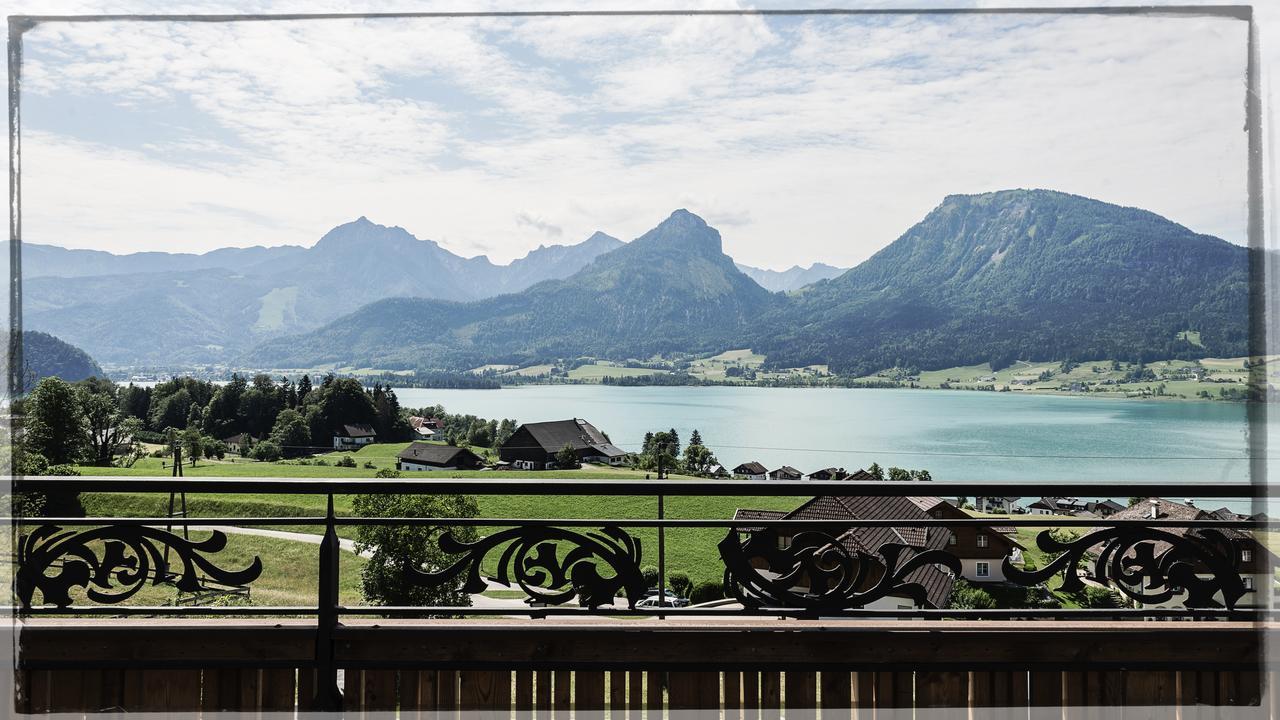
{"x": 1004, "y": 505}
{"x": 1058, "y": 506}
{"x": 426, "y": 428}
{"x": 239, "y": 442}
{"x": 533, "y": 446}
{"x": 750, "y": 471}
{"x": 981, "y": 550}
{"x": 786, "y": 472}
{"x": 1104, "y": 508}
{"x": 1254, "y": 562}
{"x": 421, "y": 456}
{"x": 829, "y": 474}
{"x": 347, "y": 437}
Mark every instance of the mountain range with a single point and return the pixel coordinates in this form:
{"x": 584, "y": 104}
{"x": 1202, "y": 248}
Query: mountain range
{"x": 1016, "y": 274}
{"x": 1019, "y": 274}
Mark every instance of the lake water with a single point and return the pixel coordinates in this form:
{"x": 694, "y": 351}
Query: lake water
{"x": 956, "y": 435}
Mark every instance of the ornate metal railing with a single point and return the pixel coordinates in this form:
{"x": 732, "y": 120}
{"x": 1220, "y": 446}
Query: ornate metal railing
{"x": 1164, "y": 568}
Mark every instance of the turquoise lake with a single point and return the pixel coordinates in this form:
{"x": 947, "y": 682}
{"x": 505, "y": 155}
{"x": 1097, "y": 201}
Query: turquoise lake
{"x": 956, "y": 435}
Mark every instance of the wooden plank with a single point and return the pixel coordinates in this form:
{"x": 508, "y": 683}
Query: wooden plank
{"x": 1045, "y": 695}
{"x": 279, "y": 686}
{"x": 588, "y": 691}
{"x": 751, "y": 695}
{"x": 653, "y": 685}
{"x": 864, "y": 695}
{"x": 1149, "y": 688}
{"x": 542, "y": 693}
{"x": 732, "y": 695}
{"x": 561, "y": 699}
{"x": 418, "y": 693}
{"x": 837, "y": 694}
{"x": 943, "y": 689}
{"x": 447, "y": 693}
{"x": 306, "y": 688}
{"x": 770, "y": 695}
{"x": 486, "y": 691}
{"x": 682, "y": 691}
{"x": 223, "y": 689}
{"x": 617, "y": 694}
{"x": 801, "y": 695}
{"x": 635, "y": 695}
{"x": 523, "y": 702}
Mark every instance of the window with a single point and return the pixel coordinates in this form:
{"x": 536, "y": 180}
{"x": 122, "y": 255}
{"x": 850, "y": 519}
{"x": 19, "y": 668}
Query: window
{"x": 951, "y": 540}
{"x": 1246, "y": 555}
{"x": 982, "y": 540}
{"x": 784, "y": 542}
{"x": 982, "y": 569}
{"x": 1248, "y": 582}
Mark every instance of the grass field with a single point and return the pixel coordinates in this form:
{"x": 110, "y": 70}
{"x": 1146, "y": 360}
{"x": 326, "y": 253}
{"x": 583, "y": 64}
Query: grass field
{"x": 288, "y": 572}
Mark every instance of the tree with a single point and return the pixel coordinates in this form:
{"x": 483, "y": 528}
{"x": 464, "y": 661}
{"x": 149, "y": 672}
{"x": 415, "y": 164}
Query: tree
{"x": 921, "y": 475}
{"x": 304, "y": 389}
{"x": 222, "y": 417}
{"x": 897, "y": 473}
{"x": 291, "y": 432}
{"x": 339, "y": 401}
{"x": 266, "y": 451}
{"x": 695, "y": 438}
{"x": 679, "y": 583}
{"x": 705, "y": 592}
{"x": 55, "y": 422}
{"x": 135, "y": 401}
{"x": 876, "y": 471}
{"x": 967, "y": 597}
{"x": 398, "y": 549}
{"x": 567, "y": 458}
{"x": 171, "y": 410}
{"x": 698, "y": 459}
{"x": 193, "y": 444}
{"x": 109, "y": 428}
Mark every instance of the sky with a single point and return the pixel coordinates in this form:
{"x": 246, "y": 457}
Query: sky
{"x": 801, "y": 138}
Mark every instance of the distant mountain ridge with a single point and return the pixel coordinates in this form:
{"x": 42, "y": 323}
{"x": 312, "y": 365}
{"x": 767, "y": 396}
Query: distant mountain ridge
{"x": 995, "y": 277}
{"x": 671, "y": 290}
{"x": 160, "y": 308}
{"x": 793, "y": 278}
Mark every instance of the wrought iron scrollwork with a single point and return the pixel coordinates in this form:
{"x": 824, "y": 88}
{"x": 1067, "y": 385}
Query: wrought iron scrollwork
{"x": 834, "y": 576}
{"x": 532, "y": 557}
{"x": 1134, "y": 559}
{"x": 131, "y": 555}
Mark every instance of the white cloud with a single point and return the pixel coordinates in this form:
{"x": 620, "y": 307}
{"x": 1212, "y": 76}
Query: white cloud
{"x": 818, "y": 139}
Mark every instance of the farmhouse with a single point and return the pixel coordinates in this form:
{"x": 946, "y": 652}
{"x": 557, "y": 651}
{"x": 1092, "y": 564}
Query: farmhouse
{"x": 829, "y": 474}
{"x": 1250, "y": 558}
{"x": 786, "y": 472}
{"x": 533, "y": 446}
{"x": 750, "y": 471}
{"x": 426, "y": 428}
{"x": 981, "y": 550}
{"x": 424, "y": 456}
{"x": 239, "y": 442}
{"x": 1057, "y": 506}
{"x": 996, "y": 504}
{"x": 352, "y": 436}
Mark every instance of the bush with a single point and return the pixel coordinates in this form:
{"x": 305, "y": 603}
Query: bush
{"x": 368, "y": 465}
{"x": 705, "y": 592}
{"x": 650, "y": 575}
{"x": 386, "y": 579}
{"x": 1098, "y": 597}
{"x": 345, "y": 461}
{"x": 967, "y": 597}
{"x": 387, "y": 473}
{"x": 266, "y": 451}
{"x": 679, "y": 584}
{"x": 322, "y": 461}
{"x": 63, "y": 469}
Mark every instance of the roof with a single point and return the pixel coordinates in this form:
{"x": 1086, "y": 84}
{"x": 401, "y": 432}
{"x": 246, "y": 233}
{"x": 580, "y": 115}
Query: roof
{"x": 927, "y": 502}
{"x": 750, "y": 468}
{"x": 747, "y": 514}
{"x": 860, "y": 475}
{"x": 936, "y": 581}
{"x": 1171, "y": 510}
{"x": 430, "y": 454}
{"x": 830, "y": 471}
{"x": 354, "y": 431}
{"x": 238, "y": 438}
{"x": 786, "y": 469}
{"x": 576, "y": 433}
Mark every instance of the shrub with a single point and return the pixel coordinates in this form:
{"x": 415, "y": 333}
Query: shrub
{"x": 1099, "y": 597}
{"x": 397, "y": 550}
{"x": 345, "y": 461}
{"x": 567, "y": 459}
{"x": 679, "y": 583}
{"x": 706, "y": 592}
{"x": 63, "y": 469}
{"x": 368, "y": 465}
{"x": 650, "y": 575}
{"x": 322, "y": 461}
{"x": 967, "y": 597}
{"x": 387, "y": 473}
{"x": 266, "y": 451}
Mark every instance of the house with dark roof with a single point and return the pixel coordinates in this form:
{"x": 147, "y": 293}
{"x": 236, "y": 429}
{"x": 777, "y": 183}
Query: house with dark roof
{"x": 421, "y": 456}
{"x": 239, "y": 443}
{"x": 533, "y": 446}
{"x": 786, "y": 472}
{"x": 1058, "y": 506}
{"x": 982, "y": 549}
{"x": 866, "y": 541}
{"x": 750, "y": 471}
{"x": 996, "y": 504}
{"x": 1104, "y": 508}
{"x": 1255, "y": 563}
{"x": 829, "y": 474}
{"x": 347, "y": 437}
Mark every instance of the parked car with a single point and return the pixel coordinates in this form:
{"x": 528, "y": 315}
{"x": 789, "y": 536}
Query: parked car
{"x": 673, "y": 600}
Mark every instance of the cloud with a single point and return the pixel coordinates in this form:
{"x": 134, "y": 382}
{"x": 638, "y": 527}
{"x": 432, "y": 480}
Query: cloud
{"x": 542, "y": 226}
{"x": 804, "y": 139}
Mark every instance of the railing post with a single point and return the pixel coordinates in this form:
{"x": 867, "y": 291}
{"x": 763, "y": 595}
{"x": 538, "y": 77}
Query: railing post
{"x": 662, "y": 556}
{"x": 328, "y": 694}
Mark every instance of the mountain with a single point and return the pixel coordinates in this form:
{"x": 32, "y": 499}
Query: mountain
{"x": 44, "y": 355}
{"x": 792, "y": 278}
{"x": 671, "y": 290}
{"x": 1021, "y": 274}
{"x": 173, "y": 308}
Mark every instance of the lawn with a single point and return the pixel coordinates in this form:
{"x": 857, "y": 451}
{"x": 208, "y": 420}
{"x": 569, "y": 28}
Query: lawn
{"x": 288, "y": 572}
{"x": 689, "y": 550}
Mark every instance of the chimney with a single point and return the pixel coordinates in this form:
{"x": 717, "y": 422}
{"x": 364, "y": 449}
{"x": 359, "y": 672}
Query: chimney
{"x": 1190, "y": 501}
{"x": 1155, "y": 509}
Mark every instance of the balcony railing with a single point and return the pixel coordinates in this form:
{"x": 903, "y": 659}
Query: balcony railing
{"x": 812, "y": 617}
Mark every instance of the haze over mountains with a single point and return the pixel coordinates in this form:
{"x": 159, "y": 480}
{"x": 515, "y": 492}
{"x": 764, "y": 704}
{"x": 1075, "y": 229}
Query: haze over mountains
{"x": 1019, "y": 274}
